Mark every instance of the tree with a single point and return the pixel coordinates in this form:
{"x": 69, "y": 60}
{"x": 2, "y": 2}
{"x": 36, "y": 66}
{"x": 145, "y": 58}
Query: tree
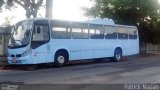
{"x": 145, "y": 14}
{"x": 1, "y": 4}
{"x": 30, "y": 6}
{"x": 7, "y": 22}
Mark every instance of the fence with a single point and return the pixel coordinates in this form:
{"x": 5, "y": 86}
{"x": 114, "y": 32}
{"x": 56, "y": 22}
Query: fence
{"x": 150, "y": 48}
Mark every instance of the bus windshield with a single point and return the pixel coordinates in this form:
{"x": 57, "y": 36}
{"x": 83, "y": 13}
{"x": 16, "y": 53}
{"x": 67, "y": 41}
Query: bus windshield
{"x": 20, "y": 35}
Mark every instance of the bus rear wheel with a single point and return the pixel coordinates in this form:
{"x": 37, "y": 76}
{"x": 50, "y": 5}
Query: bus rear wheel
{"x": 117, "y": 55}
{"x": 60, "y": 59}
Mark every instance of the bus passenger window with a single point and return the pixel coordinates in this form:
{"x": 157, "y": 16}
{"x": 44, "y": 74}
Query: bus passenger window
{"x": 122, "y": 32}
{"x": 60, "y": 30}
{"x": 133, "y": 33}
{"x": 80, "y": 31}
{"x": 96, "y": 32}
{"x": 60, "y": 33}
{"x": 110, "y": 32}
{"x": 41, "y": 33}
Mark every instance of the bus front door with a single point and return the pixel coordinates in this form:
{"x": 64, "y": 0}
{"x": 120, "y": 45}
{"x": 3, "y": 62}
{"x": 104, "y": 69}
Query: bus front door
{"x": 40, "y": 44}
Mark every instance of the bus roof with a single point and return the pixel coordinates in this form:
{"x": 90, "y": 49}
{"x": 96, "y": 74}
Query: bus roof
{"x": 108, "y": 22}
{"x": 125, "y": 26}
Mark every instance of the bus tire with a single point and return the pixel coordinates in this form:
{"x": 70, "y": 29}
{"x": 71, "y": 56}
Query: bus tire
{"x": 60, "y": 59}
{"x": 117, "y": 55}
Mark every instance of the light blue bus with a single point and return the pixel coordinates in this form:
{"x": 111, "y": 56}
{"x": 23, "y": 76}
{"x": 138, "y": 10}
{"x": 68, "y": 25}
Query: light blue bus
{"x": 38, "y": 41}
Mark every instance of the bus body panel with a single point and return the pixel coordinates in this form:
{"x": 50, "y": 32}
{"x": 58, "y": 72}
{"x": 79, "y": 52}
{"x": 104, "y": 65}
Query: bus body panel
{"x": 17, "y": 56}
{"x": 41, "y": 54}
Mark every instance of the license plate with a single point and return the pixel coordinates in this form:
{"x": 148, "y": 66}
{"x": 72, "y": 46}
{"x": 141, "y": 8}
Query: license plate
{"x": 14, "y": 61}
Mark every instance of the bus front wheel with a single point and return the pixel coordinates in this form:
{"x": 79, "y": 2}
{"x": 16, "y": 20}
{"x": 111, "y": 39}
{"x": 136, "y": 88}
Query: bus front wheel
{"x": 60, "y": 59}
{"x": 117, "y": 55}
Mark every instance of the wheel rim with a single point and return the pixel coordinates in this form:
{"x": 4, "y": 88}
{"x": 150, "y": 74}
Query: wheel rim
{"x": 61, "y": 59}
{"x": 118, "y": 56}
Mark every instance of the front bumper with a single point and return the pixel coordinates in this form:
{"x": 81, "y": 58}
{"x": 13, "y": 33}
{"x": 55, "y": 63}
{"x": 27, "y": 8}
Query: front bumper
{"x": 20, "y": 61}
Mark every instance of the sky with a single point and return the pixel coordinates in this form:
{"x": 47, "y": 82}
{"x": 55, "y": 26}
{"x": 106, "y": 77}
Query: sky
{"x": 62, "y": 9}
{"x": 70, "y": 9}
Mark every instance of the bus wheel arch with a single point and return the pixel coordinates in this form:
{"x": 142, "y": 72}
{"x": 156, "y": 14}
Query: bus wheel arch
{"x": 118, "y": 54}
{"x": 61, "y": 57}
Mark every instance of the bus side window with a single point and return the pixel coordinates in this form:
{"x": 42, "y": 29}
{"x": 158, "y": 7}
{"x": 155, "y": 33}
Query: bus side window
{"x": 110, "y": 32}
{"x": 37, "y": 36}
{"x": 80, "y": 31}
{"x": 85, "y": 33}
{"x": 60, "y": 33}
{"x": 41, "y": 33}
{"x": 133, "y": 33}
{"x": 122, "y": 32}
{"x": 96, "y": 32}
{"x": 40, "y": 36}
{"x": 60, "y": 30}
{"x": 77, "y": 33}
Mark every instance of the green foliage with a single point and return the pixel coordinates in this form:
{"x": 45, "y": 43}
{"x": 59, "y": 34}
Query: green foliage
{"x": 145, "y": 14}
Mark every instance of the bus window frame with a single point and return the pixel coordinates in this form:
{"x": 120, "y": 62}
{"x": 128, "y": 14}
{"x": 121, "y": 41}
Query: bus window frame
{"x": 40, "y": 43}
{"x": 116, "y": 31}
{"x": 60, "y": 24}
{"x": 133, "y": 37}
{"x": 81, "y": 27}
{"x": 97, "y": 27}
{"x": 126, "y": 36}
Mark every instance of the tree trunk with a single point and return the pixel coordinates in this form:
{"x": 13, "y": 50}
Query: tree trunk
{"x": 28, "y": 13}
{"x": 49, "y": 8}
{"x": 34, "y": 13}
{"x": 31, "y": 13}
